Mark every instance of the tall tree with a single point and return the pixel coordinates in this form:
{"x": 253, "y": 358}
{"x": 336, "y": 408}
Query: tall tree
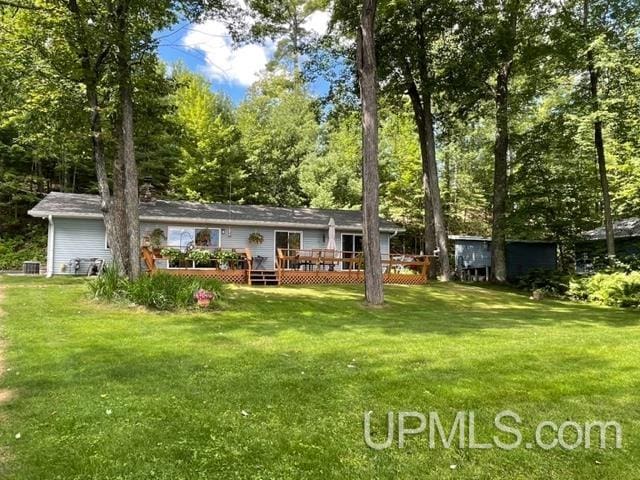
{"x": 506, "y": 34}
{"x": 211, "y": 160}
{"x": 504, "y": 37}
{"x": 332, "y": 176}
{"x": 287, "y": 23}
{"x": 598, "y": 42}
{"x": 594, "y": 78}
{"x": 278, "y": 122}
{"x": 415, "y": 39}
{"x": 366, "y": 61}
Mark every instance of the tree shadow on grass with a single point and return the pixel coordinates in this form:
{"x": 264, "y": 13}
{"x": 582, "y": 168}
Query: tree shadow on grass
{"x": 450, "y": 309}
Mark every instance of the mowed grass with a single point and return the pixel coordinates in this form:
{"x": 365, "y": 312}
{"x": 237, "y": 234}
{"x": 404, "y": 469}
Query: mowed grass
{"x": 276, "y": 385}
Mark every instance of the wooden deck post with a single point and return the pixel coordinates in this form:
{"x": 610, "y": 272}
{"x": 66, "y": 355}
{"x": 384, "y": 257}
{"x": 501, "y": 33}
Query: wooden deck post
{"x": 247, "y": 252}
{"x": 149, "y": 259}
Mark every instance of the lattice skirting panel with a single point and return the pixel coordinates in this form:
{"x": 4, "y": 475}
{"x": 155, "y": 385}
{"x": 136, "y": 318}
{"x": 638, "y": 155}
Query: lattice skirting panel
{"x": 405, "y": 279}
{"x": 319, "y": 278}
{"x": 225, "y": 276}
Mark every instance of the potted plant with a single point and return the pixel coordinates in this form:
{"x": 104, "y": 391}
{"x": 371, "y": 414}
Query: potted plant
{"x": 225, "y": 257}
{"x": 174, "y": 255}
{"x": 200, "y": 257}
{"x": 157, "y": 238}
{"x": 204, "y": 297}
{"x": 256, "y": 238}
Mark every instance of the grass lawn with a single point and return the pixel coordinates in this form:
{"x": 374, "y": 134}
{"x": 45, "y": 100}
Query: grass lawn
{"x": 275, "y": 386}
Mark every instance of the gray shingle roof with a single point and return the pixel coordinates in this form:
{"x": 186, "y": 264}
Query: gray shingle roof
{"x": 629, "y": 227}
{"x": 81, "y": 205}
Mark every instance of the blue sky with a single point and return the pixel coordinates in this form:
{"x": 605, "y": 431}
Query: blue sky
{"x": 206, "y": 48}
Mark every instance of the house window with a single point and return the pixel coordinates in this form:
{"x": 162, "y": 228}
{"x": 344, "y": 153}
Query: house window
{"x": 184, "y": 238}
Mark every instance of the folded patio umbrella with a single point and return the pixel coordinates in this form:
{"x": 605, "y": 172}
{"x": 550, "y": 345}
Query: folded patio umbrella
{"x": 331, "y": 242}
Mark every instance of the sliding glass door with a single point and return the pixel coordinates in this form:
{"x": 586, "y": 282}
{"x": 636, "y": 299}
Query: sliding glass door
{"x": 351, "y": 247}
{"x": 289, "y": 242}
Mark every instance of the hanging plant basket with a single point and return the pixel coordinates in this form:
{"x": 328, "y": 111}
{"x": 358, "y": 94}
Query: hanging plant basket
{"x": 256, "y": 238}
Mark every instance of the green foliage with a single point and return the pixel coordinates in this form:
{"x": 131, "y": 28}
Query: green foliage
{"x": 256, "y": 238}
{"x": 110, "y": 285}
{"x": 286, "y": 23}
{"x": 623, "y": 264}
{"x": 401, "y": 169}
{"x": 279, "y": 126}
{"x": 157, "y": 237}
{"x": 331, "y": 177}
{"x": 551, "y": 282}
{"x": 21, "y": 248}
{"x": 224, "y": 256}
{"x": 613, "y": 289}
{"x": 200, "y": 256}
{"x": 160, "y": 291}
{"x": 173, "y": 254}
{"x": 211, "y": 157}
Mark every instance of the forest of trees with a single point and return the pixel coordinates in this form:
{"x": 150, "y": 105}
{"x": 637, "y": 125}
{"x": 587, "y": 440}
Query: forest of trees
{"x": 503, "y": 118}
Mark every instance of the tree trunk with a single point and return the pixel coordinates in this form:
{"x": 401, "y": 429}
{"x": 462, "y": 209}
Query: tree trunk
{"x": 430, "y": 243}
{"x": 114, "y": 236}
{"x": 500, "y": 180}
{"x": 374, "y": 293}
{"x": 436, "y": 201}
{"x": 108, "y": 204}
{"x": 599, "y": 141}
{"x": 126, "y": 150}
{"x": 436, "y": 232}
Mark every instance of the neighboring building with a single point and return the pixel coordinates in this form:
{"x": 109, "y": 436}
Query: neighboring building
{"x": 77, "y": 231}
{"x": 627, "y": 240}
{"x": 473, "y": 256}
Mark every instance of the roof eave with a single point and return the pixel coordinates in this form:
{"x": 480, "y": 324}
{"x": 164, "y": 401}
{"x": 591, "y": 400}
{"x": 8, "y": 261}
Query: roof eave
{"x": 223, "y": 221}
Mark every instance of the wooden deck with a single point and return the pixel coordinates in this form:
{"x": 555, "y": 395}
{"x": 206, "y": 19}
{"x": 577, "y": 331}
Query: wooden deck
{"x": 308, "y": 267}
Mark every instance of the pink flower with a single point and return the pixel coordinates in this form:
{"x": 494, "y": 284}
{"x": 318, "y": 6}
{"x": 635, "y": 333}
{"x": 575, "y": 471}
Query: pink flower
{"x": 203, "y": 294}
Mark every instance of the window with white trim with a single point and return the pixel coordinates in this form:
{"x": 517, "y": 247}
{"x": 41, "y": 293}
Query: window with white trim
{"x": 183, "y": 238}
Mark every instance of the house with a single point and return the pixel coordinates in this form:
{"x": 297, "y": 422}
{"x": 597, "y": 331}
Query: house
{"x": 293, "y": 239}
{"x": 626, "y": 233}
{"x": 473, "y": 256}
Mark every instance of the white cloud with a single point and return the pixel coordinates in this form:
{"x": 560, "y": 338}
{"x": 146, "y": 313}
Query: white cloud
{"x": 318, "y": 22}
{"x": 240, "y": 65}
{"x": 223, "y": 61}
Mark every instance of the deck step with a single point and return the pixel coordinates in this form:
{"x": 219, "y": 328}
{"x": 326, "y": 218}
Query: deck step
{"x": 263, "y": 277}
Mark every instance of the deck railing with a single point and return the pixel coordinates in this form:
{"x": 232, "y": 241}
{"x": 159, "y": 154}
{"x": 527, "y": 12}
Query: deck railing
{"x": 330, "y": 260}
{"x": 241, "y": 260}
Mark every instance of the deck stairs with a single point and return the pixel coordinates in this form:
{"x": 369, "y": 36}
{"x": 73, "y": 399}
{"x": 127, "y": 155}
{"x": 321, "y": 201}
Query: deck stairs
{"x": 263, "y": 277}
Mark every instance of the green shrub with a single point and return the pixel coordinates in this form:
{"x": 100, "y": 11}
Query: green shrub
{"x": 613, "y": 289}
{"x": 109, "y": 285}
{"x": 550, "y": 282}
{"x": 578, "y": 289}
{"x": 173, "y": 254}
{"x": 623, "y": 263}
{"x": 224, "y": 256}
{"x": 17, "y": 249}
{"x": 200, "y": 256}
{"x": 163, "y": 291}
{"x": 160, "y": 291}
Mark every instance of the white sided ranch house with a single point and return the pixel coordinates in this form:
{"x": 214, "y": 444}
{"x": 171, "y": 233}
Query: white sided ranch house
{"x": 235, "y": 243}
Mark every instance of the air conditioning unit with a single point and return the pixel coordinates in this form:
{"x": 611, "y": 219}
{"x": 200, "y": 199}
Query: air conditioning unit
{"x": 31, "y": 268}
